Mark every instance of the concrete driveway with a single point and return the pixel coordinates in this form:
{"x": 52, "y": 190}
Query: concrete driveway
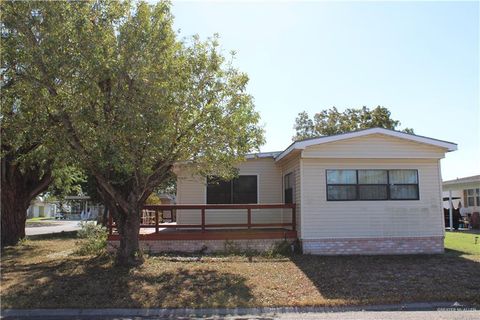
{"x": 51, "y": 226}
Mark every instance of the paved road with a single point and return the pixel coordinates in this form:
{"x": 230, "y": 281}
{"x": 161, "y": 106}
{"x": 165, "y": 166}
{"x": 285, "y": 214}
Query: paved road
{"x": 357, "y": 315}
{"x": 52, "y": 226}
{"x": 385, "y": 315}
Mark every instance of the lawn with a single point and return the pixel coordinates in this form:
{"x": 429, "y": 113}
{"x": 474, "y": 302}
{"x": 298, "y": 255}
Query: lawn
{"x": 38, "y": 219}
{"x": 40, "y": 222}
{"x": 466, "y": 243}
{"x": 45, "y": 273}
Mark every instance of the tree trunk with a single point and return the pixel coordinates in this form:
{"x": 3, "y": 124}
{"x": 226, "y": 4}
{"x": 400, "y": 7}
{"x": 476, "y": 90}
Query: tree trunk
{"x": 105, "y": 215}
{"x": 18, "y": 189}
{"x": 14, "y": 216}
{"x": 129, "y": 253}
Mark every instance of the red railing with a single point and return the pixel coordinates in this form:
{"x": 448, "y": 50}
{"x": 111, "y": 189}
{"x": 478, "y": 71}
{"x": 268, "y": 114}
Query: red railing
{"x": 203, "y": 226}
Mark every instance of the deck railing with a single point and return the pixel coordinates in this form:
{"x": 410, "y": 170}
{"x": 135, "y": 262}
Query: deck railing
{"x": 203, "y": 226}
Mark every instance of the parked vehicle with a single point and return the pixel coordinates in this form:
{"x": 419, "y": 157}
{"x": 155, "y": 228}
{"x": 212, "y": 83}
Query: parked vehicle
{"x": 60, "y": 216}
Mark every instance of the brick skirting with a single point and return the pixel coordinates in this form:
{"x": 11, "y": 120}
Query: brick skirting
{"x": 367, "y": 246}
{"x": 157, "y": 246}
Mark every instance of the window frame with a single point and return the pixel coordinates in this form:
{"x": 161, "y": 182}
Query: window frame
{"x": 257, "y": 177}
{"x": 475, "y": 197}
{"x": 291, "y": 176}
{"x": 387, "y": 185}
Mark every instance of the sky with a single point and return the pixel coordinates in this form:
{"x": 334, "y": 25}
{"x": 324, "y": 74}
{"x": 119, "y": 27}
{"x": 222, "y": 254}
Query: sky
{"x": 418, "y": 59}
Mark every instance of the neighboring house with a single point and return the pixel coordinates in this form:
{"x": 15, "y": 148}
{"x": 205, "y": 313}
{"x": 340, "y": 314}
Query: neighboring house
{"x": 41, "y": 208}
{"x": 166, "y": 198}
{"x": 79, "y": 204}
{"x": 374, "y": 191}
{"x": 465, "y": 191}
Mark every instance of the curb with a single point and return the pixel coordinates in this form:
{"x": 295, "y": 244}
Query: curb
{"x": 186, "y": 312}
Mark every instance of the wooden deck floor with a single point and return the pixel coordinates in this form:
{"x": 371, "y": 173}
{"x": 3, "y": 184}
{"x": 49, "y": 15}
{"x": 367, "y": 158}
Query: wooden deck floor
{"x": 213, "y": 234}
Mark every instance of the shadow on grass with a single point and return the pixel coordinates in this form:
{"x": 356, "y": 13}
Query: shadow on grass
{"x": 394, "y": 279}
{"x": 54, "y": 236}
{"x": 96, "y": 283}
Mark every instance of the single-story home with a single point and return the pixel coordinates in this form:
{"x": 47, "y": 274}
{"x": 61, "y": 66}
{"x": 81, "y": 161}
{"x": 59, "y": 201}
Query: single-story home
{"x": 41, "y": 208}
{"x": 373, "y": 191}
{"x": 465, "y": 192}
{"x": 462, "y": 194}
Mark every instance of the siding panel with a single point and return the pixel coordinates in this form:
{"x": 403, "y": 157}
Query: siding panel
{"x": 292, "y": 164}
{"x": 363, "y": 219}
{"x": 192, "y": 190}
{"x": 374, "y": 146}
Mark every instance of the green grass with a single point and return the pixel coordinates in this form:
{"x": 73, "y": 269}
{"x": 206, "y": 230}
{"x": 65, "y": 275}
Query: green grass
{"x": 38, "y": 219}
{"x": 463, "y": 242}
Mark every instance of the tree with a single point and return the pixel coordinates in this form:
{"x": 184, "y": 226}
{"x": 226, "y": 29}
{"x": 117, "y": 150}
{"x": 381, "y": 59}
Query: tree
{"x": 25, "y": 173}
{"x": 132, "y": 99}
{"x": 26, "y": 163}
{"x": 331, "y": 121}
{"x": 66, "y": 182}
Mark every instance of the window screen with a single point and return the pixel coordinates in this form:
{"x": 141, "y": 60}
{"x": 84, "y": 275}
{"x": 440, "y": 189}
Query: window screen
{"x": 240, "y": 190}
{"x": 372, "y": 184}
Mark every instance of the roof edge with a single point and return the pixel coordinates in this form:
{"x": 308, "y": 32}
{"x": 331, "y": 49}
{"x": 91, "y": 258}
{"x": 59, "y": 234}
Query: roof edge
{"x": 302, "y": 144}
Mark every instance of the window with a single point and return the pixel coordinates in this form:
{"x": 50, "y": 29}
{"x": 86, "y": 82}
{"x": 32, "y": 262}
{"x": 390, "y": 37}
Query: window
{"x": 237, "y": 191}
{"x": 403, "y": 184}
{"x": 341, "y": 184}
{"x": 372, "y": 184}
{"x": 473, "y": 197}
{"x": 288, "y": 182}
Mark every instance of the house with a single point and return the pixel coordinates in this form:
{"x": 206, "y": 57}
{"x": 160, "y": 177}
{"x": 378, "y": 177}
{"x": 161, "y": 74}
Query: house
{"x": 464, "y": 193}
{"x": 82, "y": 203}
{"x": 374, "y": 191}
{"x": 41, "y": 208}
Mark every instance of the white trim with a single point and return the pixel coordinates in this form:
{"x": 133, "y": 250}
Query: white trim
{"x": 301, "y": 145}
{"x": 301, "y": 214}
{"x": 440, "y": 192}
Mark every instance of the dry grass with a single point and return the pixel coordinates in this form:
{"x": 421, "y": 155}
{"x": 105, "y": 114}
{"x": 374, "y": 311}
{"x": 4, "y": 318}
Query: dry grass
{"x": 45, "y": 274}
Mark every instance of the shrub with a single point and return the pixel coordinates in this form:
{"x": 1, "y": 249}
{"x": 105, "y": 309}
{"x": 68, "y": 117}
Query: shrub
{"x": 94, "y": 239}
{"x": 281, "y": 248}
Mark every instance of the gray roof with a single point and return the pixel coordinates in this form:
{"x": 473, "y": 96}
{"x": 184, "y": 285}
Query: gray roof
{"x": 463, "y": 180}
{"x": 272, "y": 154}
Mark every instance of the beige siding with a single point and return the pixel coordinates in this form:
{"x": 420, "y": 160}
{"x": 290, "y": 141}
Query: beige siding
{"x": 374, "y": 146}
{"x": 370, "y": 219}
{"x": 192, "y": 190}
{"x": 292, "y": 164}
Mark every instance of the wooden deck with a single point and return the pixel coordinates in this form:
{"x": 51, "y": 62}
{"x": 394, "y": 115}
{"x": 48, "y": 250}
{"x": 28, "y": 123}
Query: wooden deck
{"x": 218, "y": 234}
{"x": 158, "y": 230}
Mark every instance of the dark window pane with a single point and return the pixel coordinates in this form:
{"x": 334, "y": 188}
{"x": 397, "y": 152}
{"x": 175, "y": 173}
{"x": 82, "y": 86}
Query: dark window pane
{"x": 470, "y": 202}
{"x": 404, "y": 192}
{"x": 288, "y": 181}
{"x": 372, "y": 177}
{"x": 403, "y": 176}
{"x": 288, "y": 188}
{"x": 289, "y": 195}
{"x": 341, "y": 176}
{"x": 218, "y": 191}
{"x": 372, "y": 192}
{"x": 341, "y": 192}
{"x": 245, "y": 189}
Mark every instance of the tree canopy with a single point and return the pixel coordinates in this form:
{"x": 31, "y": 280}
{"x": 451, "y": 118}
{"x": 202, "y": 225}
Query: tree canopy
{"x": 130, "y": 97}
{"x": 331, "y": 121}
